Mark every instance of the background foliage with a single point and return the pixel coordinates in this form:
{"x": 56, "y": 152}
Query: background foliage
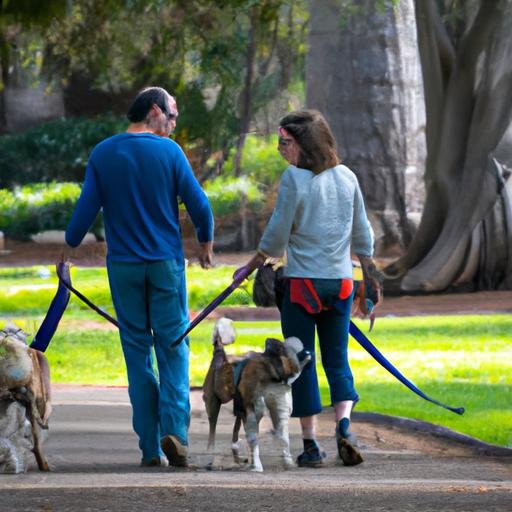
{"x": 261, "y": 160}
{"x": 33, "y": 208}
{"x": 54, "y": 151}
{"x": 40, "y": 172}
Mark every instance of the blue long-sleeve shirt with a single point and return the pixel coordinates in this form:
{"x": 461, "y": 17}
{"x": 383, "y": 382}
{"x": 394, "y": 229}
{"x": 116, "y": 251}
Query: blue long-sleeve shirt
{"x": 319, "y": 219}
{"x": 138, "y": 178}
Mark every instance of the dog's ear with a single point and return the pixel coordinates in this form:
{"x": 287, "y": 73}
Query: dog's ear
{"x": 293, "y": 344}
{"x": 274, "y": 347}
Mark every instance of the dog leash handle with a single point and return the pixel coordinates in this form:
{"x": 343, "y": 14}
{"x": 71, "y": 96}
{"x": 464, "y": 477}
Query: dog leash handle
{"x": 57, "y": 307}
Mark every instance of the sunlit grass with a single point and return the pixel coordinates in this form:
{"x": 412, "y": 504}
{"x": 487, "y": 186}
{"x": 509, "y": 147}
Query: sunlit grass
{"x": 31, "y": 289}
{"x": 462, "y": 361}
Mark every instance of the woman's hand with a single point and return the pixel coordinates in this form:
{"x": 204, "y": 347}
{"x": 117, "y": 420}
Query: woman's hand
{"x": 373, "y": 279}
{"x": 246, "y": 270}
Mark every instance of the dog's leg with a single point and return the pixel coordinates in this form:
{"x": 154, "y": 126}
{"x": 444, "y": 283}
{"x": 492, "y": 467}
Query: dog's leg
{"x": 251, "y": 434}
{"x": 280, "y": 407}
{"x": 26, "y": 397}
{"x": 235, "y": 445}
{"x": 212, "y": 409}
{"x": 42, "y": 463}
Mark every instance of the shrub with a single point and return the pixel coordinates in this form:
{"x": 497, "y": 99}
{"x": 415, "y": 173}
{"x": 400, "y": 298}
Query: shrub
{"x": 30, "y": 209}
{"x": 226, "y": 195}
{"x": 55, "y": 151}
{"x": 260, "y": 160}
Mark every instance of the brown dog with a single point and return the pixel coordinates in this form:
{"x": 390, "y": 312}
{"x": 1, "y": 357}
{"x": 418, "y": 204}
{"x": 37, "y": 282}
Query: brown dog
{"x": 24, "y": 379}
{"x": 256, "y": 381}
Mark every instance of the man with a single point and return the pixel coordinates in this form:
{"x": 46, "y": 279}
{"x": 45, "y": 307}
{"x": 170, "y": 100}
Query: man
{"x": 136, "y": 177}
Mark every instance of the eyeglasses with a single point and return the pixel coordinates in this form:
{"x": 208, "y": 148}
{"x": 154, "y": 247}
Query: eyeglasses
{"x": 169, "y": 115}
{"x": 284, "y": 141}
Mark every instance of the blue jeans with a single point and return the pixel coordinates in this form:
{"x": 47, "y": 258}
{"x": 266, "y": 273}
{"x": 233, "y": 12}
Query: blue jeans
{"x": 150, "y": 300}
{"x": 332, "y": 327}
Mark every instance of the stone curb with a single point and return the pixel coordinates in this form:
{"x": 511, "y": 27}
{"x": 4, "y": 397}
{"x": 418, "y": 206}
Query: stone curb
{"x": 424, "y": 427}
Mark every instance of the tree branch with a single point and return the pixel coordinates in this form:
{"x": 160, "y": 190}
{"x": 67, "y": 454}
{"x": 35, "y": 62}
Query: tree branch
{"x": 437, "y": 56}
{"x": 476, "y": 113}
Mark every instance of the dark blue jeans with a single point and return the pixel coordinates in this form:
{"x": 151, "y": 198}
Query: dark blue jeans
{"x": 332, "y": 328}
{"x": 150, "y": 300}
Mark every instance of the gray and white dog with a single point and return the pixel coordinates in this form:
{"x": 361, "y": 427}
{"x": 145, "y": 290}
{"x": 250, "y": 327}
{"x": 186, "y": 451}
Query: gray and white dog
{"x": 25, "y": 405}
{"x": 257, "y": 382}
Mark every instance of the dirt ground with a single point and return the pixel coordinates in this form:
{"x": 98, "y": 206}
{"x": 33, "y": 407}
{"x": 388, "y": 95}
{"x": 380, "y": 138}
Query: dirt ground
{"x": 94, "y": 459}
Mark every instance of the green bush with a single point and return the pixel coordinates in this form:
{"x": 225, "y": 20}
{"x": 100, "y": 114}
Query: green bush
{"x": 38, "y": 207}
{"x": 226, "y": 195}
{"x": 260, "y": 160}
{"x": 55, "y": 151}
{"x": 30, "y": 209}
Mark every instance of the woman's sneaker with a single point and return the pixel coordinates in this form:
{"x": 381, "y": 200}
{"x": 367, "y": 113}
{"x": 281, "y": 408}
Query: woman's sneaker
{"x": 347, "y": 443}
{"x": 312, "y": 457}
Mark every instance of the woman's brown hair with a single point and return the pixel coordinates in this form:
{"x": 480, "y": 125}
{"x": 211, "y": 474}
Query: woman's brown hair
{"x": 312, "y": 133}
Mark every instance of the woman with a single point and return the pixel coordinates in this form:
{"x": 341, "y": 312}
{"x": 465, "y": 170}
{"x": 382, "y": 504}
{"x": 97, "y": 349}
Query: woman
{"x": 318, "y": 221}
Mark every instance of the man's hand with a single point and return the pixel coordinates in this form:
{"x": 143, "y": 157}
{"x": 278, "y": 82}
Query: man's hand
{"x": 205, "y": 254}
{"x": 67, "y": 253}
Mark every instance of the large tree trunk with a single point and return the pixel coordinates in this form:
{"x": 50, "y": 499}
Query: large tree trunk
{"x": 363, "y": 73}
{"x": 465, "y": 236}
{"x": 356, "y": 75}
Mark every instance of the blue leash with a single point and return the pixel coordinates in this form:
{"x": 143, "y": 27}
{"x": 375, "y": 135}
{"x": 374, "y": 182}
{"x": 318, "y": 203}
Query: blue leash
{"x": 60, "y": 301}
{"x": 361, "y": 338}
{"x": 57, "y": 307}
{"x": 55, "y": 311}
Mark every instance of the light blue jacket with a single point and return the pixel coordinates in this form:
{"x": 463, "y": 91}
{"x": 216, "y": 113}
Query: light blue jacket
{"x": 319, "y": 220}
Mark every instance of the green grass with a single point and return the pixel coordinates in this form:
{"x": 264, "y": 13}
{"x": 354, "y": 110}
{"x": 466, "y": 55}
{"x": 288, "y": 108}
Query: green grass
{"x": 460, "y": 360}
{"x": 30, "y": 289}
{"x": 463, "y": 361}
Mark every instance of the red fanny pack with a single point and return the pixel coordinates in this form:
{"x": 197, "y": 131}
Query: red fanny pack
{"x": 303, "y": 292}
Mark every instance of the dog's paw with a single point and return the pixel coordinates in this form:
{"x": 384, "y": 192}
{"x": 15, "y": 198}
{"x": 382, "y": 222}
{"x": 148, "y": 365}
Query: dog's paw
{"x": 289, "y": 463}
{"x": 256, "y": 468}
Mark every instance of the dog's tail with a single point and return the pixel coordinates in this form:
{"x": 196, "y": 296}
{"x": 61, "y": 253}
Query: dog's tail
{"x": 223, "y": 333}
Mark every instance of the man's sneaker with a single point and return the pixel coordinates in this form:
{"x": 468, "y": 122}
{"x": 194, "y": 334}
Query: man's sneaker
{"x": 175, "y": 452}
{"x": 312, "y": 457}
{"x": 154, "y": 462}
{"x": 347, "y": 450}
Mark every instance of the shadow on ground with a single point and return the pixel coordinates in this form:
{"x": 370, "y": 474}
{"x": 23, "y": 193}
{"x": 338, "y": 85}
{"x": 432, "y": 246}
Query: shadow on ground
{"x": 94, "y": 456}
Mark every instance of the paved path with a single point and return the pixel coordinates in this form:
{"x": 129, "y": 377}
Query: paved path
{"x": 94, "y": 456}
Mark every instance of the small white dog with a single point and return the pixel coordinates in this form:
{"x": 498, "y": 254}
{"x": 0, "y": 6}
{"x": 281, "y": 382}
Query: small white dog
{"x": 256, "y": 382}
